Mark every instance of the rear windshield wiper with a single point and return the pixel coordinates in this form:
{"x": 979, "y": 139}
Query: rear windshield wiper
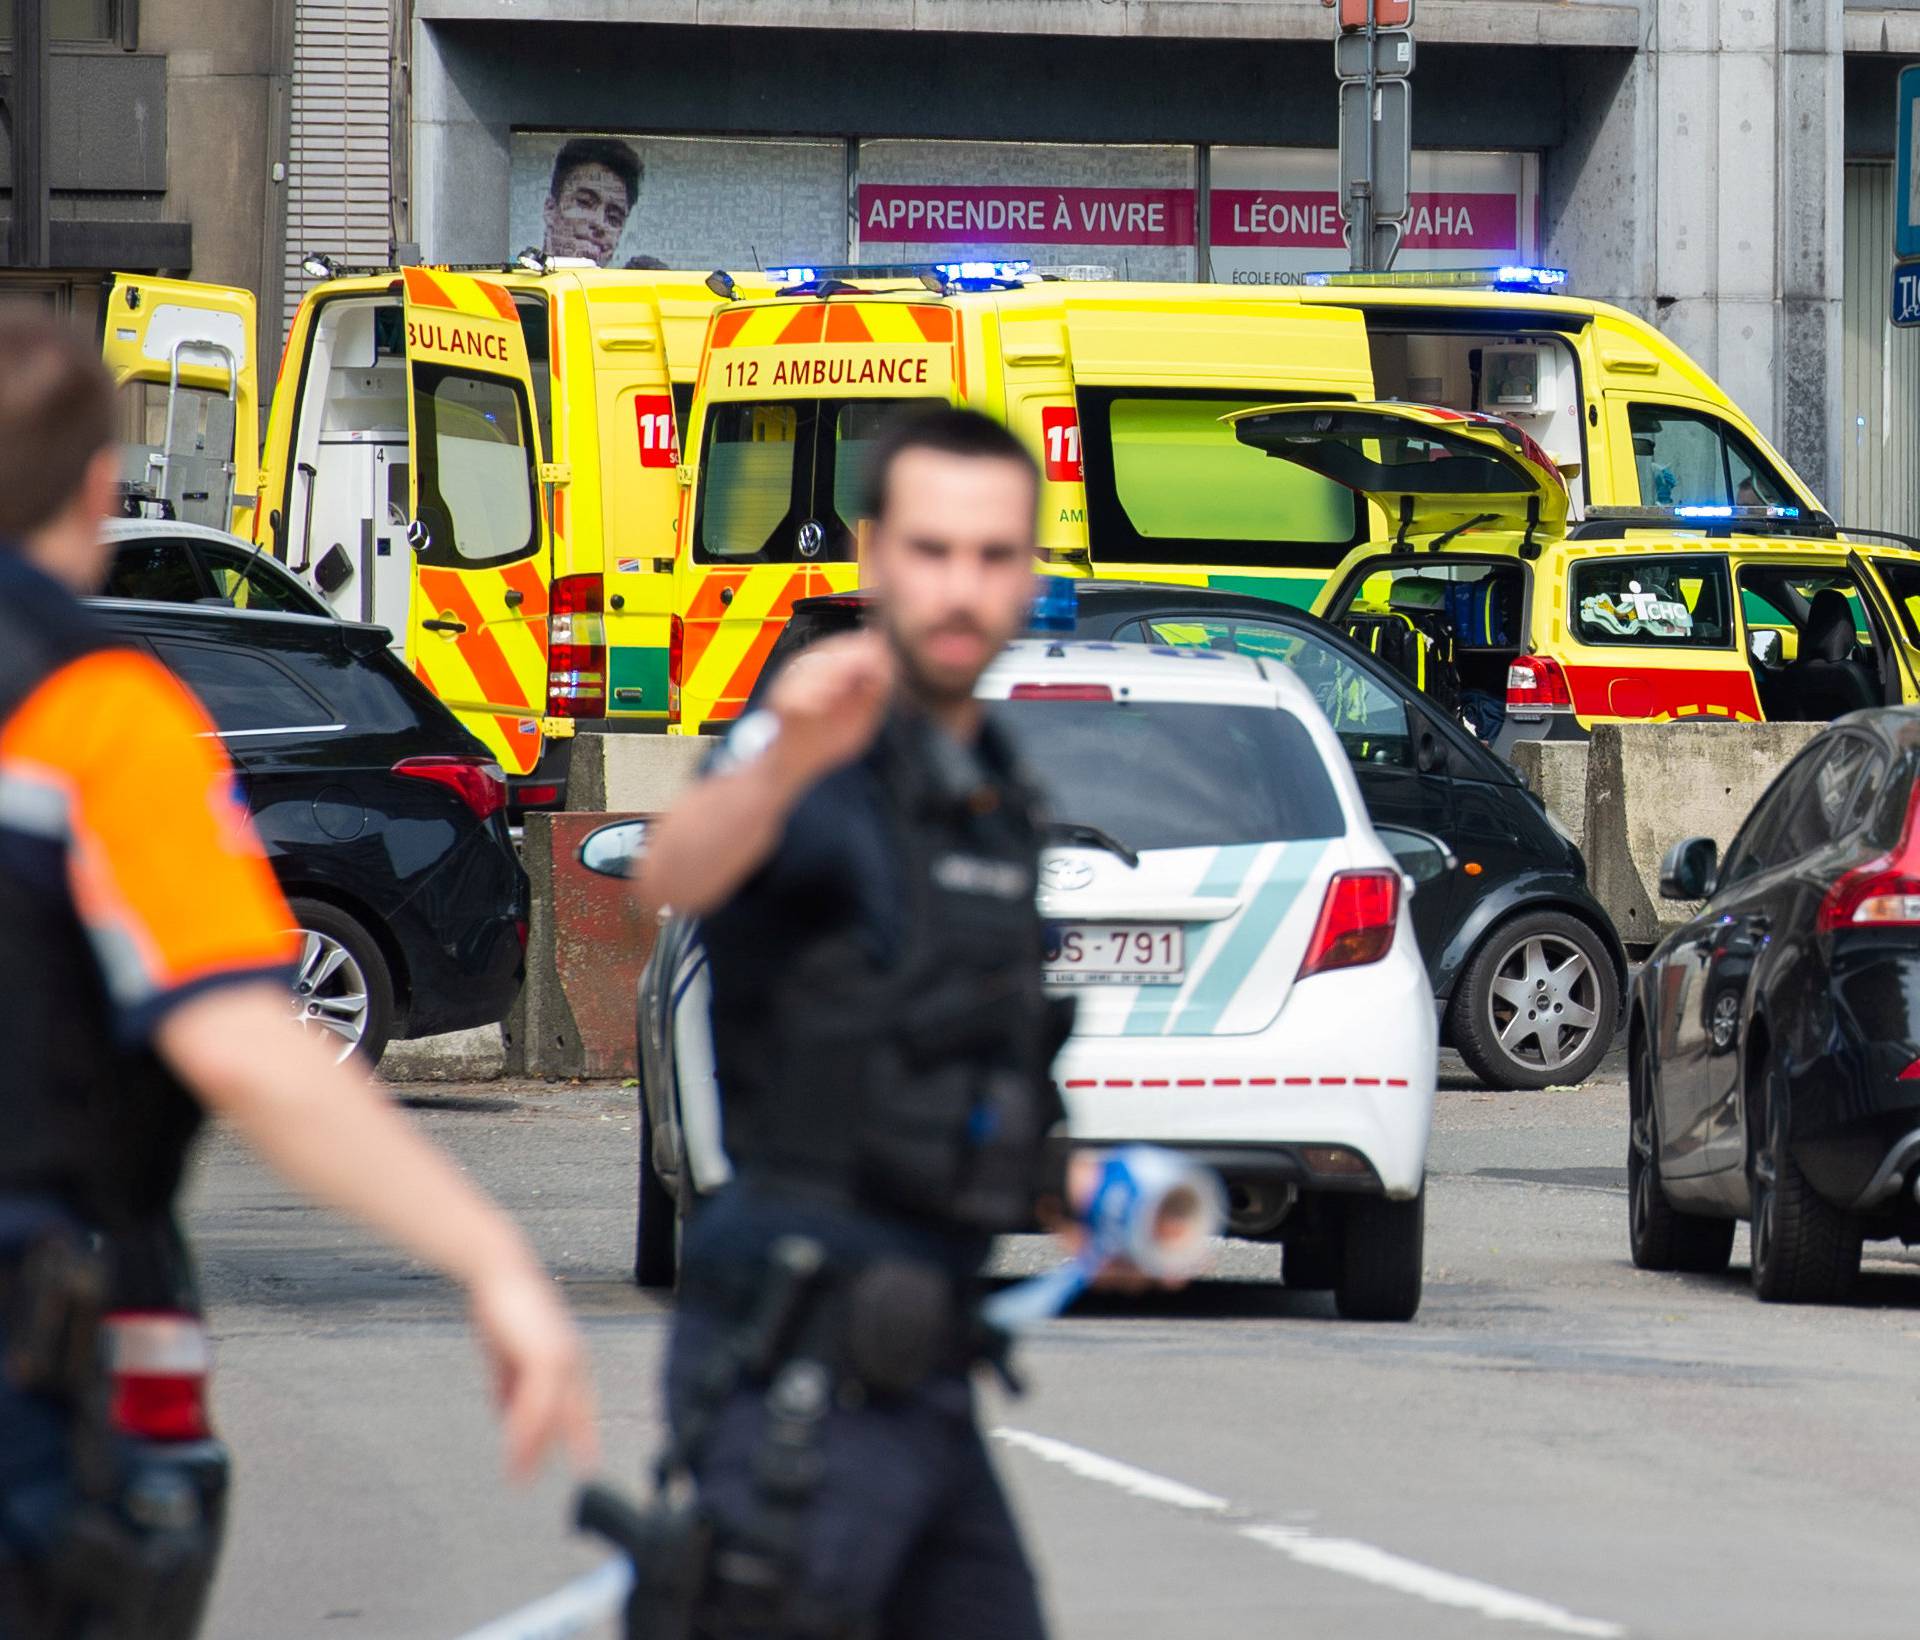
{"x": 1078, "y": 831}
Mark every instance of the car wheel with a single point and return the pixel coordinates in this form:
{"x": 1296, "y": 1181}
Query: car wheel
{"x": 1536, "y": 1005}
{"x": 1381, "y": 1252}
{"x": 656, "y": 1236}
{"x": 342, "y": 986}
{"x": 1659, "y": 1234}
{"x": 1804, "y": 1249}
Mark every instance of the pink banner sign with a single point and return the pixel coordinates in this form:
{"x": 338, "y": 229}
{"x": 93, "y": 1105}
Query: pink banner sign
{"x": 1310, "y": 218}
{"x": 900, "y": 214}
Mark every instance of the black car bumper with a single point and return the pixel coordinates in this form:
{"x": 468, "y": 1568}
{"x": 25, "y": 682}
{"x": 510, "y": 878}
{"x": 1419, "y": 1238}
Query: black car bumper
{"x": 462, "y": 935}
{"x": 1856, "y": 1114}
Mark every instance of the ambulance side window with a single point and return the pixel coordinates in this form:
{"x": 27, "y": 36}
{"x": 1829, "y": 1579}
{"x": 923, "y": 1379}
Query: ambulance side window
{"x": 475, "y": 470}
{"x": 533, "y": 329}
{"x": 1168, "y": 483}
{"x": 1690, "y": 458}
{"x": 1660, "y": 603}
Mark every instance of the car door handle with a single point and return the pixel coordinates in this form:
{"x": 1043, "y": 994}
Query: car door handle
{"x": 515, "y": 597}
{"x": 445, "y": 626}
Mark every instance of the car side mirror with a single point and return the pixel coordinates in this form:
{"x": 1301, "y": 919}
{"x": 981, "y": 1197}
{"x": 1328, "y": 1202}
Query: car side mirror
{"x": 609, "y": 851}
{"x": 1688, "y": 870}
{"x": 1765, "y": 646}
{"x": 1419, "y": 854}
{"x": 1429, "y": 752}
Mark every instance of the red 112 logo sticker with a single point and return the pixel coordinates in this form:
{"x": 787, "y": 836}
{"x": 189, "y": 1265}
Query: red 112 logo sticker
{"x": 658, "y": 445}
{"x": 1060, "y": 443}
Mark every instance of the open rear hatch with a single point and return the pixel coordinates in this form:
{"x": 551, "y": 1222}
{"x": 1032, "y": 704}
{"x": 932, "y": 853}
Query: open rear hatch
{"x": 1436, "y": 473}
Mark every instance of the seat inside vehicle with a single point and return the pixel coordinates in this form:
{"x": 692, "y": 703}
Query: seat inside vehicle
{"x": 1827, "y": 679}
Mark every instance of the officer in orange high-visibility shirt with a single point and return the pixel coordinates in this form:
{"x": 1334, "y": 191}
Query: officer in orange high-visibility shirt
{"x": 144, "y": 954}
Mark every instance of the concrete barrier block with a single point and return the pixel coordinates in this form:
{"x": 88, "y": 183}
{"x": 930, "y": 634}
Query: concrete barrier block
{"x": 1555, "y": 771}
{"x": 631, "y": 774}
{"x": 478, "y": 1055}
{"x": 1651, "y": 784}
{"x": 586, "y": 943}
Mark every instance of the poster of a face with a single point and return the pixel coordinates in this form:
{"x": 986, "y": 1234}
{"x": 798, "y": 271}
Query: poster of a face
{"x": 629, "y": 201}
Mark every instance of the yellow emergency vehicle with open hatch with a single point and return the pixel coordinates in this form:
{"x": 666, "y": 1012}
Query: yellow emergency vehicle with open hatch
{"x": 485, "y": 462}
{"x": 1531, "y": 625}
{"x": 1122, "y": 391}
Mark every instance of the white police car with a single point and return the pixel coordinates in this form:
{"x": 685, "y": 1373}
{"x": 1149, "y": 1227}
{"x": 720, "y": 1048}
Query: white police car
{"x": 1236, "y": 933}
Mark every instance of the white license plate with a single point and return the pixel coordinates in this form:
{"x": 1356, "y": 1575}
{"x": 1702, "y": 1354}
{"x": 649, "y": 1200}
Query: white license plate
{"x": 1115, "y": 954}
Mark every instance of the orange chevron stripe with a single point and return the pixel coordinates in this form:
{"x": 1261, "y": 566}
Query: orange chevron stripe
{"x": 503, "y": 304}
{"x": 936, "y": 324}
{"x": 771, "y": 626}
{"x": 478, "y": 647}
{"x": 426, "y": 291}
{"x": 707, "y": 604}
{"x": 727, "y": 325}
{"x": 844, "y": 324}
{"x": 804, "y": 326}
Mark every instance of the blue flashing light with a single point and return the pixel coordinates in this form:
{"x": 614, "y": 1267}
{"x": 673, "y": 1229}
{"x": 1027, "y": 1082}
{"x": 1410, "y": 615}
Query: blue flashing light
{"x": 1524, "y": 278}
{"x": 793, "y": 276}
{"x": 982, "y": 270}
{"x": 1703, "y": 510}
{"x": 1056, "y": 606}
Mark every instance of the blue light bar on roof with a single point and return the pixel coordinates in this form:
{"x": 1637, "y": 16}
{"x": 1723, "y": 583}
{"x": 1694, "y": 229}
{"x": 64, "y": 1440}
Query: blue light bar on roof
{"x": 982, "y": 270}
{"x": 1512, "y": 277}
{"x": 1718, "y": 511}
{"x": 793, "y": 276}
{"x": 1523, "y": 278}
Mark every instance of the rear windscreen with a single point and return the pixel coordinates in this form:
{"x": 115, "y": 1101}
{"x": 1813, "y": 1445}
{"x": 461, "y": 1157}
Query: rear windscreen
{"x": 1175, "y": 774}
{"x": 781, "y": 480}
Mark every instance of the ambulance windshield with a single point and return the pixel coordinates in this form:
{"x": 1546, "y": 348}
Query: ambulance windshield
{"x": 780, "y": 480}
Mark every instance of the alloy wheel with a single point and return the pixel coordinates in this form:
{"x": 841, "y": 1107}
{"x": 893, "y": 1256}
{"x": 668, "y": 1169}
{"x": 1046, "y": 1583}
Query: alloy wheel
{"x": 1543, "y": 1003}
{"x": 330, "y": 992}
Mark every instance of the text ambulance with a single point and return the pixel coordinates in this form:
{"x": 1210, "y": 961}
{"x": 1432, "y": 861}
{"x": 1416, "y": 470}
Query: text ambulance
{"x": 1121, "y": 390}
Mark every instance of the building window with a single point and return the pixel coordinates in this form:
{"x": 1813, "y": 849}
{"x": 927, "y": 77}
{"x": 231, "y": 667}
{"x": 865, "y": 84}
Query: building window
{"x": 91, "y": 21}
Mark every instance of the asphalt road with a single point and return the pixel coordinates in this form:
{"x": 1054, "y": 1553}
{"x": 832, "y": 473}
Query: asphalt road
{"x": 1557, "y": 1445}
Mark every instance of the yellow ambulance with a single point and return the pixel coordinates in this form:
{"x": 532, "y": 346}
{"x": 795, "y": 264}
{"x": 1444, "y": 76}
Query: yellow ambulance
{"x": 1123, "y": 393}
{"x": 485, "y": 461}
{"x": 1530, "y": 625}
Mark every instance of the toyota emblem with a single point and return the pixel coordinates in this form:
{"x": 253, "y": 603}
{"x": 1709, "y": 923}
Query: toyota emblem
{"x": 1066, "y": 875}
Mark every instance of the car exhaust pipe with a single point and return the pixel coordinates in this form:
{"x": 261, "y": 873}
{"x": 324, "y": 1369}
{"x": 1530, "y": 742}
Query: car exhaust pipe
{"x": 1257, "y": 1206}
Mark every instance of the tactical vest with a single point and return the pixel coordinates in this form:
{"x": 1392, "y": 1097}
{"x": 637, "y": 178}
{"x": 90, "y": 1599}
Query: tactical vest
{"x": 99, "y": 1124}
{"x": 920, "y": 1084}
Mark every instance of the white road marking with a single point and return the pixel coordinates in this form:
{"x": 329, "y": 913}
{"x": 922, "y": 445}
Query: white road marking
{"x": 1347, "y": 1556}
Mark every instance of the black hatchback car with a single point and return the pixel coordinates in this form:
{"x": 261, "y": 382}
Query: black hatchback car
{"x": 384, "y": 819}
{"x": 1774, "y": 1039}
{"x": 1527, "y": 969}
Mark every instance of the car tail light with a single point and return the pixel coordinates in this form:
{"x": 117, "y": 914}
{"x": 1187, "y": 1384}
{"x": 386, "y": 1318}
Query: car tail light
{"x": 1910, "y": 1074}
{"x": 1059, "y": 691}
{"x": 1536, "y": 685}
{"x": 1884, "y": 892}
{"x": 1357, "y": 921}
{"x": 676, "y": 660}
{"x": 576, "y": 648}
{"x": 160, "y": 1361}
{"x": 482, "y": 785}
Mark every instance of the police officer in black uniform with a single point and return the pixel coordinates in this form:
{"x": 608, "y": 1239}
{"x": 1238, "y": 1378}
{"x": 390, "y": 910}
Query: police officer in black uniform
{"x": 863, "y": 853}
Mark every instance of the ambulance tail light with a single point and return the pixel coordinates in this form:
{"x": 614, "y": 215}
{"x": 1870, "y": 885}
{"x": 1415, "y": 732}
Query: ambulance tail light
{"x": 576, "y": 648}
{"x": 1883, "y": 892}
{"x": 1357, "y": 921}
{"x": 676, "y": 661}
{"x": 160, "y": 1361}
{"x": 1537, "y": 686}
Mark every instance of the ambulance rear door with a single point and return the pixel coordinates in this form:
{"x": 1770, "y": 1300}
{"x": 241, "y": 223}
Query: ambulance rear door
{"x": 188, "y": 352}
{"x": 1171, "y": 494}
{"x": 477, "y": 526}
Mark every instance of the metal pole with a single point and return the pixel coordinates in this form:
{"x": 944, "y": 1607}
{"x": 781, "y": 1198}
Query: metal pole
{"x": 27, "y": 233}
{"x": 1360, "y": 250}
